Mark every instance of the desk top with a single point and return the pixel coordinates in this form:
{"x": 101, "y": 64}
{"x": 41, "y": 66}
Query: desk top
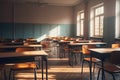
{"x": 15, "y": 46}
{"x": 89, "y": 43}
{"x": 22, "y": 54}
{"x": 104, "y": 50}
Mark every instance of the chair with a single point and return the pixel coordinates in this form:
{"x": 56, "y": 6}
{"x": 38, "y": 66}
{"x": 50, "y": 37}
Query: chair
{"x": 24, "y": 65}
{"x": 63, "y": 49}
{"x": 115, "y": 45}
{"x": 75, "y": 55}
{"x": 112, "y": 66}
{"x": 86, "y": 56}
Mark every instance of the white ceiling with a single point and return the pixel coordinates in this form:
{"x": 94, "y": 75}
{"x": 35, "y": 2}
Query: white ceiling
{"x": 49, "y": 2}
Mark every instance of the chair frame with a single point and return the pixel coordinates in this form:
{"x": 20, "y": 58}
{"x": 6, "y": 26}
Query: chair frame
{"x": 17, "y": 69}
{"x": 111, "y": 68}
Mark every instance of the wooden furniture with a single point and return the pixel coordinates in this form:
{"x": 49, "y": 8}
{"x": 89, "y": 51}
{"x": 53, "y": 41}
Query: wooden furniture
{"x": 17, "y": 57}
{"x": 86, "y": 56}
{"x": 62, "y": 48}
{"x": 112, "y": 66}
{"x": 75, "y": 55}
{"x": 16, "y": 46}
{"x": 115, "y": 45}
{"x": 8, "y": 48}
{"x": 72, "y": 45}
{"x": 102, "y": 54}
{"x": 23, "y": 66}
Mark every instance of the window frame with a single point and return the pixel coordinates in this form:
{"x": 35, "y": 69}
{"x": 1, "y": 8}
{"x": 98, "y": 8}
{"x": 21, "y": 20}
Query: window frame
{"x": 117, "y": 23}
{"x": 92, "y": 21}
{"x": 80, "y": 25}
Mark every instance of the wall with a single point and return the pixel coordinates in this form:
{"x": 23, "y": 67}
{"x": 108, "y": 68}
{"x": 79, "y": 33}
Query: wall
{"x": 109, "y": 18}
{"x": 25, "y": 20}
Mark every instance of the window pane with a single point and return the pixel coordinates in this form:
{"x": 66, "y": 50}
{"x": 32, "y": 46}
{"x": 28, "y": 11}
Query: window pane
{"x": 99, "y": 11}
{"x": 82, "y": 15}
{"x": 97, "y": 16}
{"x": 78, "y": 28}
{"x": 117, "y": 28}
{"x": 80, "y": 23}
{"x": 78, "y": 17}
{"x": 101, "y": 25}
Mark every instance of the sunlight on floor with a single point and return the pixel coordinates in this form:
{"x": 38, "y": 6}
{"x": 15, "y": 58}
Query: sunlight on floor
{"x": 58, "y": 69}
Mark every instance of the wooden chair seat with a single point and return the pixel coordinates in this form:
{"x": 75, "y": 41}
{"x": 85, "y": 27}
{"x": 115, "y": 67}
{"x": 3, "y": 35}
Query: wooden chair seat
{"x": 112, "y": 65}
{"x": 94, "y": 60}
{"x": 115, "y": 45}
{"x": 27, "y": 65}
{"x": 111, "y": 68}
{"x": 24, "y": 65}
{"x": 86, "y": 56}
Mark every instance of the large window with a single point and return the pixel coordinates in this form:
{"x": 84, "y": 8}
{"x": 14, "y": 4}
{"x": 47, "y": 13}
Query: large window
{"x": 96, "y": 21}
{"x": 117, "y": 29}
{"x": 80, "y": 23}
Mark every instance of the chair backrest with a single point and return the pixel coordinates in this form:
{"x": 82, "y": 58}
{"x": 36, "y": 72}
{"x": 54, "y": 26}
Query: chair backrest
{"x": 115, "y": 57}
{"x": 85, "y": 48}
{"x": 116, "y": 45}
{"x": 24, "y": 49}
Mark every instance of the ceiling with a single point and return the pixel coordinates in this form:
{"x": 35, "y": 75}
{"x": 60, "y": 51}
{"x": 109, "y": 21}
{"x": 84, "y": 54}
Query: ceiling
{"x": 48, "y": 2}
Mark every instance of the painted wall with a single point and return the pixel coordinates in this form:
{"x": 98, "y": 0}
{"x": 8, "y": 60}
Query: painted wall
{"x": 47, "y": 14}
{"x": 109, "y": 18}
{"x": 25, "y": 20}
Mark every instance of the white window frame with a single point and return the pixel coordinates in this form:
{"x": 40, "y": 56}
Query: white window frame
{"x": 92, "y": 21}
{"x": 117, "y": 24}
{"x": 80, "y": 23}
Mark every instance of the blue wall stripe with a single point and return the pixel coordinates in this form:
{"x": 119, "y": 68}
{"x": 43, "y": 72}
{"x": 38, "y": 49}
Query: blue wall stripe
{"x": 26, "y": 30}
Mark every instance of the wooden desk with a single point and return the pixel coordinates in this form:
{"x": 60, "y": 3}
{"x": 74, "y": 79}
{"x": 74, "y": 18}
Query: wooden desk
{"x": 14, "y": 57}
{"x": 8, "y": 48}
{"x": 15, "y": 46}
{"x": 79, "y": 45}
{"x": 88, "y": 43}
{"x": 102, "y": 54}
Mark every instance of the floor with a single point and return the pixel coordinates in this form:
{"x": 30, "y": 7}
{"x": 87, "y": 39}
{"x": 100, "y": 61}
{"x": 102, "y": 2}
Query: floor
{"x": 59, "y": 69}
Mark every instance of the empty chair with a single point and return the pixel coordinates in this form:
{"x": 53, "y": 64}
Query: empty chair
{"x": 86, "y": 56}
{"x": 112, "y": 66}
{"x": 75, "y": 55}
{"x": 24, "y": 65}
{"x": 115, "y": 45}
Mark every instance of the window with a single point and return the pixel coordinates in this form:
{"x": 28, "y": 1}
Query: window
{"x": 96, "y": 21}
{"x": 80, "y": 23}
{"x": 117, "y": 27}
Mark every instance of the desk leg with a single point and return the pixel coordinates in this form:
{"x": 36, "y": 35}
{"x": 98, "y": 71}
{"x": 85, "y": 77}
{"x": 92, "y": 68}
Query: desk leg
{"x": 42, "y": 69}
{"x": 90, "y": 67}
{"x": 103, "y": 71}
{"x": 46, "y": 69}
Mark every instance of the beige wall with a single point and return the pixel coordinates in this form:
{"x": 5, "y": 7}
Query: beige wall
{"x": 21, "y": 13}
{"x": 110, "y": 8}
{"x": 47, "y": 14}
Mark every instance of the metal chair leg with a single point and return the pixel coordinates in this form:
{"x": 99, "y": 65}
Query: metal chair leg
{"x": 10, "y": 74}
{"x": 35, "y": 76}
{"x": 113, "y": 76}
{"x": 98, "y": 74}
{"x": 82, "y": 66}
